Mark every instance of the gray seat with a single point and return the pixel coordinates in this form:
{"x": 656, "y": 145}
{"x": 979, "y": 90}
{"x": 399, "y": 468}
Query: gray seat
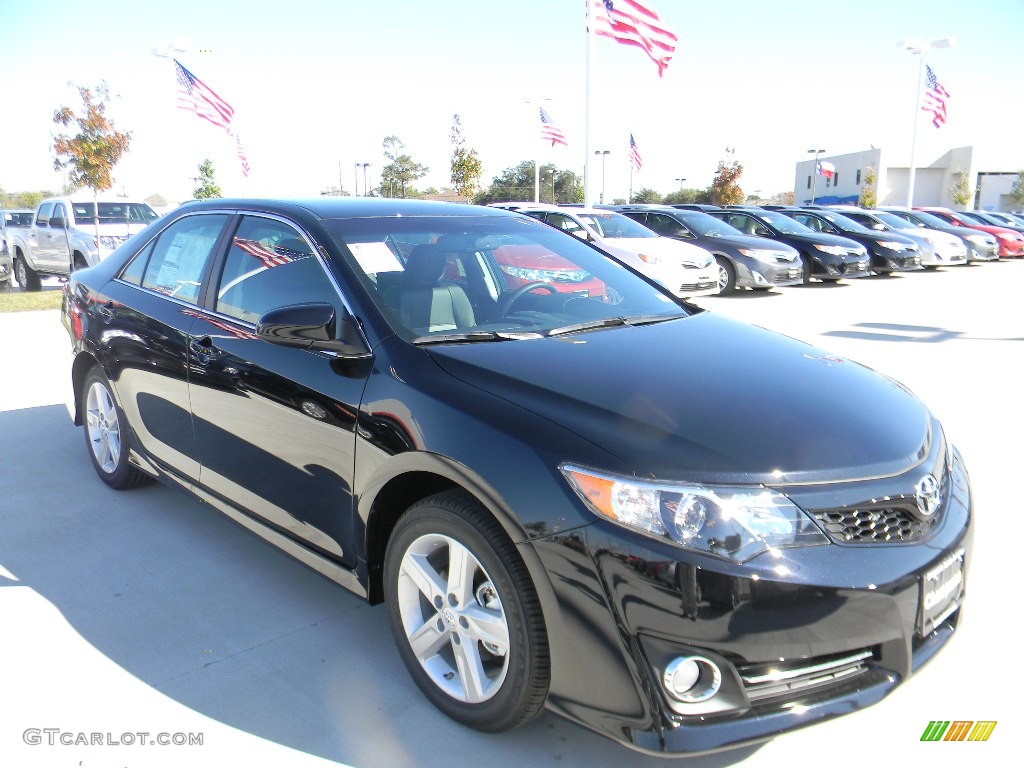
{"x": 427, "y": 302}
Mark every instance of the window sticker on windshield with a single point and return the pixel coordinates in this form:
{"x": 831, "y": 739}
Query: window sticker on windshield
{"x": 374, "y": 258}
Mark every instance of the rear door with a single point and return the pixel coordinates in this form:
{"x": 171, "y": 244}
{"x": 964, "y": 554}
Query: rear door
{"x": 275, "y": 425}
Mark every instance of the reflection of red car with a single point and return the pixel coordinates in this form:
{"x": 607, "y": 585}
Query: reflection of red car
{"x": 522, "y": 264}
{"x": 1011, "y": 242}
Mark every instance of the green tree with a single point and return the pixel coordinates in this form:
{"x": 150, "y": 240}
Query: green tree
{"x": 466, "y": 165}
{"x": 208, "y": 187}
{"x": 961, "y": 189}
{"x": 1017, "y": 191}
{"x": 725, "y": 189}
{"x": 647, "y": 195}
{"x": 400, "y": 172}
{"x": 516, "y": 183}
{"x": 89, "y": 156}
{"x": 868, "y": 197}
{"x": 687, "y": 196}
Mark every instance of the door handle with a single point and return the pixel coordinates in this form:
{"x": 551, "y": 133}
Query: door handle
{"x": 203, "y": 349}
{"x": 106, "y": 311}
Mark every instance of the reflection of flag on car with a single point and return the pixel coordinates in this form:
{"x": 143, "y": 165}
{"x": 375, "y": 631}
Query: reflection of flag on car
{"x": 195, "y": 96}
{"x": 550, "y": 131}
{"x": 934, "y": 99}
{"x": 269, "y": 258}
{"x": 826, "y": 169}
{"x": 238, "y": 333}
{"x": 631, "y": 22}
{"x": 634, "y": 154}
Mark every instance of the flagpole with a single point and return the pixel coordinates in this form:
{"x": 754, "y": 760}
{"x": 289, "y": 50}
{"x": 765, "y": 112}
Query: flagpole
{"x": 913, "y": 138}
{"x": 588, "y": 198}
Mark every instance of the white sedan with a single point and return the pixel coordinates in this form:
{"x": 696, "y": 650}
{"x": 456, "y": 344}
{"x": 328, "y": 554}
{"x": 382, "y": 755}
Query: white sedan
{"x": 686, "y": 270}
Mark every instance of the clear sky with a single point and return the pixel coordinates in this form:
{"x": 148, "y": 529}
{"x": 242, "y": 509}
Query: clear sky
{"x": 317, "y": 84}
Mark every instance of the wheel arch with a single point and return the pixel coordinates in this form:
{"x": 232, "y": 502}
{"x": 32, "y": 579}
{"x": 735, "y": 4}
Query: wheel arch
{"x": 84, "y": 363}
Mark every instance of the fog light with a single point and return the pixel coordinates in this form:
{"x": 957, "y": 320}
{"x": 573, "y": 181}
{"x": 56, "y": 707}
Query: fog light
{"x": 692, "y": 679}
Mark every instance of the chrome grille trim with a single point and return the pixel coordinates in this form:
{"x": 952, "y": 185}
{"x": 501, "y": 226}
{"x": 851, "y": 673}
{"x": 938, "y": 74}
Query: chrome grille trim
{"x": 795, "y": 678}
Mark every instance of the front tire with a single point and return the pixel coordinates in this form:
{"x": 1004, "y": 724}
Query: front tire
{"x": 106, "y": 434}
{"x": 465, "y": 615}
{"x": 27, "y": 277}
{"x": 726, "y": 276}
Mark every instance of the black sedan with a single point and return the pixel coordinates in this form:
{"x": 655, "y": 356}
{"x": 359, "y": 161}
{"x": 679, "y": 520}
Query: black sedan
{"x": 682, "y": 532}
{"x": 826, "y": 257}
{"x": 890, "y": 252}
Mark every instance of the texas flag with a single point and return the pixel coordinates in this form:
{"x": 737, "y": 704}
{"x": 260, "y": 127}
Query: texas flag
{"x": 826, "y": 169}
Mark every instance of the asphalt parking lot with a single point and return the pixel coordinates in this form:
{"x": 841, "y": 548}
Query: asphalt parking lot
{"x": 146, "y": 612}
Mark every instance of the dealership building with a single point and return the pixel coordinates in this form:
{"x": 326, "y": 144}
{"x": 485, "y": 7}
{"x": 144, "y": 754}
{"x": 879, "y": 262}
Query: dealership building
{"x": 989, "y": 180}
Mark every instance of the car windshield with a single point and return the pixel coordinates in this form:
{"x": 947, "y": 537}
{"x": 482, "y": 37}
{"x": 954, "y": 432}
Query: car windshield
{"x": 896, "y": 222}
{"x": 783, "y": 223}
{"x": 464, "y": 279}
{"x": 18, "y": 218}
{"x": 111, "y": 213}
{"x": 613, "y": 225}
{"x": 843, "y": 222}
{"x": 707, "y": 226}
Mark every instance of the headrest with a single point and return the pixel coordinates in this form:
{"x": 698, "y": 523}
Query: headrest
{"x": 425, "y": 265}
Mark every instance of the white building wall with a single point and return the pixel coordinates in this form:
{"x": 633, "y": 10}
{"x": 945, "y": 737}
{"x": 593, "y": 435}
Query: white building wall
{"x": 847, "y": 183}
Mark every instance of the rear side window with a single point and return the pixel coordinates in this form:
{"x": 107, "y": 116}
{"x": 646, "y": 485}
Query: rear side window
{"x": 181, "y": 254}
{"x": 666, "y": 225}
{"x": 136, "y": 268}
{"x": 270, "y": 265}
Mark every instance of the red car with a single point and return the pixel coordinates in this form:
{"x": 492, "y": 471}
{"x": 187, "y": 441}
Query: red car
{"x": 1011, "y": 243}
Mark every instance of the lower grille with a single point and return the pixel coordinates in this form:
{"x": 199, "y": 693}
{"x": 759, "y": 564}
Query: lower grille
{"x": 766, "y": 681}
{"x": 785, "y": 277}
{"x": 854, "y": 268}
{"x": 873, "y": 526}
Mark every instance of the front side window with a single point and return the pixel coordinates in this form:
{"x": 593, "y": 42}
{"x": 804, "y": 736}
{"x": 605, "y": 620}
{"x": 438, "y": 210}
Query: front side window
{"x": 667, "y": 226}
{"x": 43, "y": 216}
{"x": 270, "y": 265}
{"x": 181, "y": 254}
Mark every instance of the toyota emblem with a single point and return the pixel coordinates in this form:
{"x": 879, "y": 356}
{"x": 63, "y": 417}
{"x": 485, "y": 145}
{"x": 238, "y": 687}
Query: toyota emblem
{"x": 929, "y": 495}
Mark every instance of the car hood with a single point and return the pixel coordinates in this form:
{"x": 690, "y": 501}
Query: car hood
{"x": 663, "y": 247}
{"x": 752, "y": 242}
{"x": 707, "y": 399}
{"x": 822, "y": 238}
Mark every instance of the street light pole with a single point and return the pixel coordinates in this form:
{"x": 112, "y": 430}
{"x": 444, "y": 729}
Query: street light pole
{"x": 364, "y": 166}
{"x": 680, "y": 180}
{"x": 604, "y": 156}
{"x": 919, "y": 48}
{"x": 814, "y": 170}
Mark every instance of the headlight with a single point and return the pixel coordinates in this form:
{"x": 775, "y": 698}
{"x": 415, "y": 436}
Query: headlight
{"x": 649, "y": 259}
{"x": 701, "y": 263}
{"x": 761, "y": 255}
{"x": 1006, "y": 236}
{"x": 835, "y": 250}
{"x": 732, "y": 522}
{"x": 546, "y": 275}
{"x": 892, "y": 245}
{"x": 977, "y": 239}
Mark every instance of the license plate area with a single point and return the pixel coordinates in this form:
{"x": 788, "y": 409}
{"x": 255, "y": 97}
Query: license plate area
{"x": 942, "y": 590}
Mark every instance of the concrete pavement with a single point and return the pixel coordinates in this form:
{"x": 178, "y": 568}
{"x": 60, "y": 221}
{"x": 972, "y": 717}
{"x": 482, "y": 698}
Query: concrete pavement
{"x": 146, "y": 612}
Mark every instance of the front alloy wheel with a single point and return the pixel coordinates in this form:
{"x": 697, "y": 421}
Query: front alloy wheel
{"x": 465, "y": 615}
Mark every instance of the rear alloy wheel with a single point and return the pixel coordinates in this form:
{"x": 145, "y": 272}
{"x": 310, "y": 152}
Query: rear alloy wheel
{"x": 465, "y": 615}
{"x": 726, "y": 276}
{"x": 27, "y": 277}
{"x": 106, "y": 435}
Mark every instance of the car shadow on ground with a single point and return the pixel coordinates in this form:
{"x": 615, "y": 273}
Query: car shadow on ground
{"x": 202, "y": 611}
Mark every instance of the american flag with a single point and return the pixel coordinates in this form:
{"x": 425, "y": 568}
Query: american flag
{"x": 269, "y": 258}
{"x": 631, "y": 22}
{"x": 550, "y": 131}
{"x": 934, "y": 99}
{"x": 634, "y": 155}
{"x": 242, "y": 158}
{"x": 195, "y": 96}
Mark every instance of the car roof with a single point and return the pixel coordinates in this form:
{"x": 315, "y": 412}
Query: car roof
{"x": 346, "y": 207}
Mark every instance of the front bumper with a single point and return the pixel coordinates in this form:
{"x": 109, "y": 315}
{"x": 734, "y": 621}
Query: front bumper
{"x": 896, "y": 261}
{"x": 698, "y": 281}
{"x": 759, "y": 274}
{"x": 800, "y": 636}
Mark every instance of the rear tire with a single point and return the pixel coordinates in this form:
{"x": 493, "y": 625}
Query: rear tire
{"x": 465, "y": 615}
{"x": 106, "y": 434}
{"x": 27, "y": 277}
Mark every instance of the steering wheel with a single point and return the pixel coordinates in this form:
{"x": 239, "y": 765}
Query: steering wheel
{"x": 508, "y": 299}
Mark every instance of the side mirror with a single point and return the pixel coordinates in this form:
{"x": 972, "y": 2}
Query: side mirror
{"x": 312, "y": 326}
{"x": 58, "y": 222}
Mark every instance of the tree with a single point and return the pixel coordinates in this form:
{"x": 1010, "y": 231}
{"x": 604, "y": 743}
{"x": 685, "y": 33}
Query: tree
{"x": 466, "y": 165}
{"x": 208, "y": 187}
{"x": 517, "y": 184}
{"x": 647, "y": 195}
{"x": 724, "y": 189}
{"x": 91, "y": 154}
{"x": 961, "y": 189}
{"x": 868, "y": 197}
{"x": 687, "y": 196}
{"x": 1017, "y": 191}
{"x": 396, "y": 176}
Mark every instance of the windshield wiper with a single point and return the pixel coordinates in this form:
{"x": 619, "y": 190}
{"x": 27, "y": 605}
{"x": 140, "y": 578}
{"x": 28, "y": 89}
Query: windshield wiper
{"x": 611, "y": 322}
{"x": 474, "y": 336}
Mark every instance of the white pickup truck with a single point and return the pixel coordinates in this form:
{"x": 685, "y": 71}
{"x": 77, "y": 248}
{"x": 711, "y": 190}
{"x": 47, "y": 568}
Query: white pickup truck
{"x": 65, "y": 236}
